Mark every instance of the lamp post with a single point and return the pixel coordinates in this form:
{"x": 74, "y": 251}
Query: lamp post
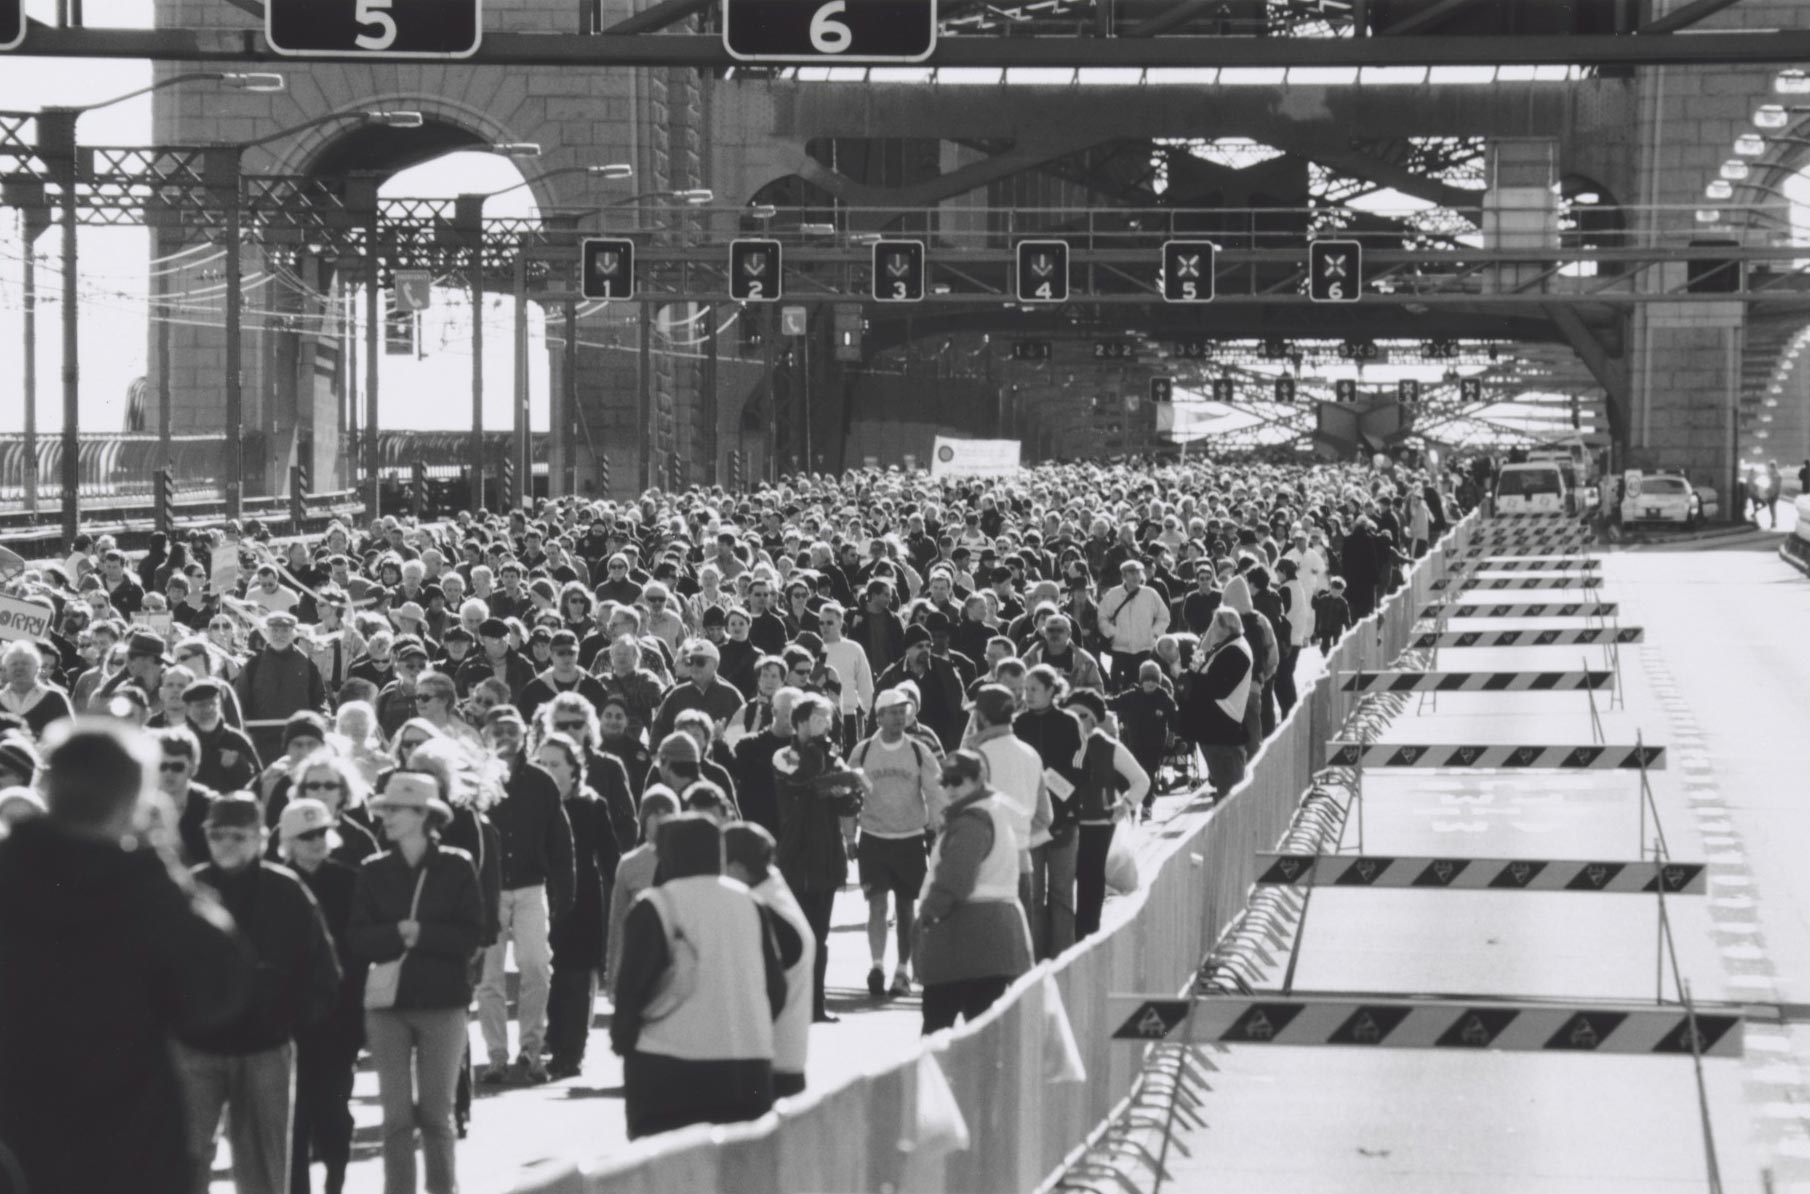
{"x": 224, "y": 167}
{"x": 57, "y": 146}
{"x": 469, "y": 218}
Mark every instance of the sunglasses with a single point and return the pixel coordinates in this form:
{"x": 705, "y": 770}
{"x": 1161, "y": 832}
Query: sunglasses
{"x": 173, "y": 766}
{"x": 312, "y": 835}
{"x": 324, "y": 785}
{"x": 231, "y": 835}
{"x": 569, "y": 727}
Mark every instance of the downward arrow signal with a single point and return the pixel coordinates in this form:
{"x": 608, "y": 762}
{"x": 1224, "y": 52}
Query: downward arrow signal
{"x": 898, "y": 266}
{"x": 754, "y": 265}
{"x": 608, "y": 262}
{"x": 1042, "y": 266}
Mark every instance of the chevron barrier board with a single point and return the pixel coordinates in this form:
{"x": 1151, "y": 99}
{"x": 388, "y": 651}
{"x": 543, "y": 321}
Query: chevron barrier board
{"x": 1482, "y": 874}
{"x": 1555, "y": 1027}
{"x": 1477, "y": 681}
{"x": 1537, "y": 609}
{"x": 1553, "y": 581}
{"x": 1496, "y": 758}
{"x": 1532, "y": 563}
{"x": 1586, "y": 637}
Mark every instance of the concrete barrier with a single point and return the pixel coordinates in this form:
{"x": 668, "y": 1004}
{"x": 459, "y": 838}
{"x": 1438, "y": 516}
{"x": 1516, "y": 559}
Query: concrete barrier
{"x": 1795, "y": 550}
{"x": 998, "y": 1105}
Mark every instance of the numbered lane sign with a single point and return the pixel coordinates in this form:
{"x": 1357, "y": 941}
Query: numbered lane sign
{"x": 609, "y": 268}
{"x": 12, "y": 24}
{"x": 755, "y": 269}
{"x": 1188, "y": 271}
{"x": 898, "y": 271}
{"x": 1335, "y": 271}
{"x": 375, "y": 28}
{"x": 829, "y": 30}
{"x": 1042, "y": 271}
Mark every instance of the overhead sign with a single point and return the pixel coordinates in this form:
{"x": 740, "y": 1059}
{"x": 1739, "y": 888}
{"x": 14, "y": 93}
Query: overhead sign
{"x": 1556, "y": 581}
{"x": 607, "y": 267}
{"x": 1192, "y": 349}
{"x": 829, "y": 30}
{"x": 375, "y": 28}
{"x": 1530, "y": 638}
{"x": 1476, "y": 681}
{"x": 1470, "y": 389}
{"x": 1573, "y": 609}
{"x": 756, "y": 269}
{"x": 1162, "y": 389}
{"x": 12, "y": 24}
{"x": 412, "y": 290}
{"x": 1335, "y": 271}
{"x": 898, "y": 271}
{"x": 1188, "y": 271}
{"x": 1225, "y": 390}
{"x": 1042, "y": 271}
{"x": 1031, "y": 350}
{"x": 1345, "y": 390}
{"x": 975, "y": 457}
{"x": 24, "y": 619}
{"x": 1114, "y": 350}
{"x": 1497, "y": 758}
{"x": 1285, "y": 390}
{"x": 1482, "y": 874}
{"x": 1383, "y": 1022}
{"x": 1407, "y": 390}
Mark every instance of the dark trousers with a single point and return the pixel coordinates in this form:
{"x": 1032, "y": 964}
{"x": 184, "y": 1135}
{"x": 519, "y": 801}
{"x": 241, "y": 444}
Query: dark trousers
{"x": 1125, "y": 668}
{"x": 1286, "y": 694}
{"x": 1360, "y": 595}
{"x": 1090, "y": 878}
{"x": 968, "y": 998}
{"x": 786, "y": 1085}
{"x": 324, "y": 1067}
{"x": 570, "y": 997}
{"x": 816, "y": 906}
{"x": 1150, "y": 758}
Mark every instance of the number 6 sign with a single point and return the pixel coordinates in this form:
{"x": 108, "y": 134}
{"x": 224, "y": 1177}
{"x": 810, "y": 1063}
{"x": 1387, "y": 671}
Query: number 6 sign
{"x": 374, "y": 28}
{"x": 829, "y": 30}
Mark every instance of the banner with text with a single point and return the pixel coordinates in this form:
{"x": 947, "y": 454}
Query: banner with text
{"x": 975, "y": 457}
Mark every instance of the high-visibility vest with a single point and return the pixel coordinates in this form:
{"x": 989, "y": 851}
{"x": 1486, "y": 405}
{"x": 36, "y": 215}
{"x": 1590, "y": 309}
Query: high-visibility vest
{"x": 998, "y": 878}
{"x": 793, "y": 1028}
{"x": 712, "y": 1005}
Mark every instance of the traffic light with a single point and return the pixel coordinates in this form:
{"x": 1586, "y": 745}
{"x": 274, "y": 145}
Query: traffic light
{"x": 1345, "y": 390}
{"x": 1285, "y": 390}
{"x": 418, "y": 489}
{"x": 1470, "y": 389}
{"x": 1188, "y": 271}
{"x": 163, "y": 498}
{"x": 1162, "y": 389}
{"x": 1043, "y": 271}
{"x": 608, "y": 268}
{"x": 898, "y": 271}
{"x": 755, "y": 271}
{"x": 1335, "y": 271}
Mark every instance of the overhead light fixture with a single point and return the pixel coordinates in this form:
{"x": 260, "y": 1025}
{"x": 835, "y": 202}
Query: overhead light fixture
{"x": 1792, "y": 82}
{"x": 1735, "y": 170}
{"x": 696, "y": 196}
{"x": 516, "y": 149}
{"x": 762, "y": 211}
{"x": 397, "y": 120}
{"x": 611, "y": 170}
{"x": 1750, "y": 145}
{"x": 1587, "y": 198}
{"x": 1771, "y": 116}
{"x": 865, "y": 238}
{"x": 261, "y": 81}
{"x": 1720, "y": 190}
{"x": 817, "y": 229}
{"x": 1708, "y": 215}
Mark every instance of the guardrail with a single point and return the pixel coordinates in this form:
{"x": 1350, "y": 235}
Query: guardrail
{"x": 113, "y": 466}
{"x": 132, "y": 523}
{"x": 1006, "y": 1071}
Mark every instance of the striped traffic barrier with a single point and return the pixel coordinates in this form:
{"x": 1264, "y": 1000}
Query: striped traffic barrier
{"x": 1560, "y": 681}
{"x": 1533, "y": 563}
{"x": 1584, "y": 637}
{"x": 1383, "y": 1022}
{"x": 1475, "y": 584}
{"x": 1482, "y": 874}
{"x": 1538, "y": 609}
{"x": 1497, "y": 757}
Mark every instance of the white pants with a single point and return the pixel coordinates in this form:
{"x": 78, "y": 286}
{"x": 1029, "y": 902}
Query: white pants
{"x": 524, "y": 922}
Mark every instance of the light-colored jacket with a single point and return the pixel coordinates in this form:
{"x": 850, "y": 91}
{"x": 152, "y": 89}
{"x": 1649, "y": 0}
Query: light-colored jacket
{"x": 1132, "y": 622}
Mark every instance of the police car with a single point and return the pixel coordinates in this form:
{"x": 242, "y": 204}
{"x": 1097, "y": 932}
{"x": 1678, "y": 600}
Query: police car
{"x": 1657, "y": 499}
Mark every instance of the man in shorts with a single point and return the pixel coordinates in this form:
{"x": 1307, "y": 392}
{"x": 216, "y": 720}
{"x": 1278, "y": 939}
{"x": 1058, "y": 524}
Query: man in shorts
{"x": 906, "y": 797}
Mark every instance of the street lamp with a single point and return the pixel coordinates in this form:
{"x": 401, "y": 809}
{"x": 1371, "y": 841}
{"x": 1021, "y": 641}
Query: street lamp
{"x": 57, "y": 145}
{"x": 469, "y": 215}
{"x": 225, "y": 171}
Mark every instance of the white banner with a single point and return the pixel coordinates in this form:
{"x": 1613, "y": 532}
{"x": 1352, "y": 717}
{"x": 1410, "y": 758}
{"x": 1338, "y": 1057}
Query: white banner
{"x": 975, "y": 457}
{"x": 24, "y": 619}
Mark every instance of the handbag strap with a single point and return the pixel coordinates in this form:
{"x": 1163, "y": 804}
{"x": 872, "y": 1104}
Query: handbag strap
{"x": 420, "y": 882}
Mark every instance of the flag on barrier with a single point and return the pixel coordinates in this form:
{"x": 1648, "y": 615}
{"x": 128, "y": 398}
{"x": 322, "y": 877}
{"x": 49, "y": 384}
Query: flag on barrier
{"x": 1532, "y": 563}
{"x": 1538, "y": 609}
{"x": 1586, "y": 637}
{"x": 1476, "y": 681}
{"x": 1497, "y": 758}
{"x": 1558, "y": 1027}
{"x": 1482, "y": 874}
{"x": 1061, "y": 1053}
{"x": 1553, "y": 581}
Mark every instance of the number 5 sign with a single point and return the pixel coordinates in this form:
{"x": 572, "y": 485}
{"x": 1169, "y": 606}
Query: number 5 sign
{"x": 374, "y": 28}
{"x": 829, "y": 30}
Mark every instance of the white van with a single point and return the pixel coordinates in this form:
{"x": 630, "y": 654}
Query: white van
{"x": 1537, "y": 487}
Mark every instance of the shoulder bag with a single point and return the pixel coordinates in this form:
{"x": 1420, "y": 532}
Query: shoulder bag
{"x": 384, "y": 980}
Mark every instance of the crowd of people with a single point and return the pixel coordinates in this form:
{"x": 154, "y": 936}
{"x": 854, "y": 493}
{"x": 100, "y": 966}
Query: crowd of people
{"x": 287, "y": 805}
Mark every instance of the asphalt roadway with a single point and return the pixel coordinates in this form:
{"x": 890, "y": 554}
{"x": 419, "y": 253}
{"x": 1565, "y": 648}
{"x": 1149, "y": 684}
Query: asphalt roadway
{"x": 1723, "y": 680}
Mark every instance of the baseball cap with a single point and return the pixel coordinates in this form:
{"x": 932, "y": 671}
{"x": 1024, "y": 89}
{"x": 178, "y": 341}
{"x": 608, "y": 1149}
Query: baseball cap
{"x": 146, "y": 643}
{"x": 704, "y": 648}
{"x": 303, "y": 816}
{"x": 205, "y": 689}
{"x": 680, "y": 747}
{"x": 493, "y": 628}
{"x": 890, "y": 698}
{"x": 234, "y": 810}
{"x": 409, "y": 647}
{"x": 963, "y": 765}
{"x": 410, "y": 610}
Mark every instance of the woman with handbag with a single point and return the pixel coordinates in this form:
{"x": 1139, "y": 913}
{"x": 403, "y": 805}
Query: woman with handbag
{"x": 417, "y": 916}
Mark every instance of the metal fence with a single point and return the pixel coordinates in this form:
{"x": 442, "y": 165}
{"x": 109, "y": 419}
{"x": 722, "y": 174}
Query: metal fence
{"x": 879, "y": 1131}
{"x": 116, "y": 466}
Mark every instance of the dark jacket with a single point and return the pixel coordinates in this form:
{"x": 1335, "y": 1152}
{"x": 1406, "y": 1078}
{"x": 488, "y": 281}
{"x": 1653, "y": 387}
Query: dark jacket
{"x": 719, "y": 700}
{"x": 229, "y": 762}
{"x": 1203, "y": 721}
{"x": 754, "y": 779}
{"x": 815, "y": 791}
{"x": 435, "y": 973}
{"x": 940, "y": 690}
{"x": 1055, "y": 735}
{"x": 273, "y": 684}
{"x": 332, "y": 885}
{"x": 472, "y": 832}
{"x": 297, "y": 981}
{"x": 477, "y": 668}
{"x": 881, "y": 635}
{"x": 103, "y": 954}
{"x": 537, "y": 838}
